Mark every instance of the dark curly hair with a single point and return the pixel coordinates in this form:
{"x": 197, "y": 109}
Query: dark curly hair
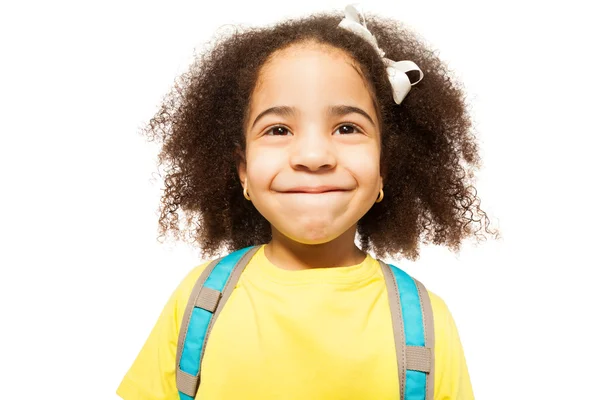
{"x": 428, "y": 152}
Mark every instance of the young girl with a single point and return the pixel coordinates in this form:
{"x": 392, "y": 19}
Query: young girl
{"x": 303, "y": 138}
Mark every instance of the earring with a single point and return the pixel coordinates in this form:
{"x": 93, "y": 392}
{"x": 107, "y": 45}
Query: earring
{"x": 380, "y": 197}
{"x": 246, "y": 195}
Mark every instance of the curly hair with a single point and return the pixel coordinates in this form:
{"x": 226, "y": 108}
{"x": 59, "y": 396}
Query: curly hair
{"x": 428, "y": 152}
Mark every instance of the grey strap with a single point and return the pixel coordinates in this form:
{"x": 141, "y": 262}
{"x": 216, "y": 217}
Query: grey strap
{"x": 418, "y": 358}
{"x": 208, "y": 299}
{"x": 187, "y": 383}
{"x": 397, "y": 324}
{"x": 190, "y": 306}
{"x": 234, "y": 277}
{"x": 427, "y": 312}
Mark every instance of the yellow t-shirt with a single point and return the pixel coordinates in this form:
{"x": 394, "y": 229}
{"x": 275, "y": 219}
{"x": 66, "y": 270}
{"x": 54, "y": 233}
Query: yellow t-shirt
{"x": 319, "y": 334}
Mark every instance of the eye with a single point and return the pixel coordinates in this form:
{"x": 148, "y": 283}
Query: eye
{"x": 347, "y": 129}
{"x": 277, "y": 131}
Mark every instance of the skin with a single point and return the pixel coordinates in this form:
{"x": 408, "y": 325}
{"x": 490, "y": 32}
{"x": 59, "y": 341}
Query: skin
{"x": 310, "y": 173}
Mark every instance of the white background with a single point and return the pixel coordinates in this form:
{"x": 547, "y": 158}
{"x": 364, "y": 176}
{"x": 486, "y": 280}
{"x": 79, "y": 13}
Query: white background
{"x": 83, "y": 278}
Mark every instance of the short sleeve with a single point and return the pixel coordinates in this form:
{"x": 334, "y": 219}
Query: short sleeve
{"x": 152, "y": 374}
{"x": 452, "y": 380}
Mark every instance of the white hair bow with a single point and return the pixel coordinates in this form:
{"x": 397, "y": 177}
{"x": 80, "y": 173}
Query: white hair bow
{"x": 396, "y": 70}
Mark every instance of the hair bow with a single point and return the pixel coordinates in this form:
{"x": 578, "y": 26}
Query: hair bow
{"x": 396, "y": 70}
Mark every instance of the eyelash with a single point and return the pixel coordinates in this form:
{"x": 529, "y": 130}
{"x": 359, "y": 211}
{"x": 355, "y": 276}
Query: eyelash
{"x": 281, "y": 126}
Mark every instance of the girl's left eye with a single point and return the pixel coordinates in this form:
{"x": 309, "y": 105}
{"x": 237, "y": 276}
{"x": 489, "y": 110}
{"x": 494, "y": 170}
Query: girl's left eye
{"x": 352, "y": 129}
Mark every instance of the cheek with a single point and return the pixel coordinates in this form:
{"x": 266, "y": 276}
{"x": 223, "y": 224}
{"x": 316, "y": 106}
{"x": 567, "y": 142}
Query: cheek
{"x": 364, "y": 165}
{"x": 262, "y": 166}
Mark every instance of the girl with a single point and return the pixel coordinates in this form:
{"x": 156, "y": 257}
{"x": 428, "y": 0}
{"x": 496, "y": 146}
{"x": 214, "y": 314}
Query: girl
{"x": 303, "y": 138}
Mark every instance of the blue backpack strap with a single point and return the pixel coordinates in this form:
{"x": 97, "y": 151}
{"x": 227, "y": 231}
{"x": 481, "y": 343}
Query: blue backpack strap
{"x": 412, "y": 320}
{"x": 209, "y": 295}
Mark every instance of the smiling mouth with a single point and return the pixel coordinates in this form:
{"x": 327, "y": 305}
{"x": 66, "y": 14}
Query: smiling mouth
{"x": 315, "y": 190}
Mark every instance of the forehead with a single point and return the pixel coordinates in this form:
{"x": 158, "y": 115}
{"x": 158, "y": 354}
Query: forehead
{"x": 307, "y": 55}
{"x": 310, "y": 75}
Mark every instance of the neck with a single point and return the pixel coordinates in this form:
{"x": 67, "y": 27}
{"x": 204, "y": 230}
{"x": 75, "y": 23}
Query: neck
{"x": 289, "y": 254}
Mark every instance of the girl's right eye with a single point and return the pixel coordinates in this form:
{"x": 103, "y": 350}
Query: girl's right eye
{"x": 277, "y": 131}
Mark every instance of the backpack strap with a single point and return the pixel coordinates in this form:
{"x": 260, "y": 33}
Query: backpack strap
{"x": 209, "y": 295}
{"x": 412, "y": 320}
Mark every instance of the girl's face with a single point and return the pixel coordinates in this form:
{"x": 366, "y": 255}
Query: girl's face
{"x": 312, "y": 144}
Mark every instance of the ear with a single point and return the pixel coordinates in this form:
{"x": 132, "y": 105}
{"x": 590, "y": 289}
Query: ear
{"x": 382, "y": 170}
{"x": 240, "y": 159}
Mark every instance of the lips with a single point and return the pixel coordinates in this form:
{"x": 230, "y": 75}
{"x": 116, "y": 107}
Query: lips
{"x": 314, "y": 189}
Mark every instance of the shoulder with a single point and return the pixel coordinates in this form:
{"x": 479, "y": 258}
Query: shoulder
{"x": 152, "y": 374}
{"x": 441, "y": 313}
{"x": 445, "y": 330}
{"x": 452, "y": 379}
{"x": 189, "y": 280}
{"x": 181, "y": 294}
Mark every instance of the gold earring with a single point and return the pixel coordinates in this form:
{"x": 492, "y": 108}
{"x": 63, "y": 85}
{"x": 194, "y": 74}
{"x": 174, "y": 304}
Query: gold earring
{"x": 246, "y": 195}
{"x": 380, "y": 197}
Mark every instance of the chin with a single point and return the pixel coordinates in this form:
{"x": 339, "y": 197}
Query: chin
{"x": 314, "y": 236}
{"x": 312, "y": 229}
{"x": 312, "y": 241}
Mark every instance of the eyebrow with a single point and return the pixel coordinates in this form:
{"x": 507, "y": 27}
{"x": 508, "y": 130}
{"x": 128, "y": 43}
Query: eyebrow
{"x": 332, "y": 111}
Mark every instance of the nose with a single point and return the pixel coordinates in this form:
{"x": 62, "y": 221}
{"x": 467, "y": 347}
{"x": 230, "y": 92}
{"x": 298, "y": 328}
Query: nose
{"x": 313, "y": 152}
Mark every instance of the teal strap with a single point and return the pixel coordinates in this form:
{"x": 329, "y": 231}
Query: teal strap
{"x": 183, "y": 396}
{"x": 414, "y": 335}
{"x": 200, "y": 318}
